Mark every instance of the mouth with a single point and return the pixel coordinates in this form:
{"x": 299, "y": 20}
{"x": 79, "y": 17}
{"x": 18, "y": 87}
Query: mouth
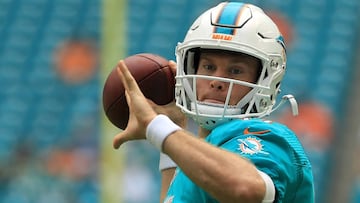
{"x": 215, "y": 101}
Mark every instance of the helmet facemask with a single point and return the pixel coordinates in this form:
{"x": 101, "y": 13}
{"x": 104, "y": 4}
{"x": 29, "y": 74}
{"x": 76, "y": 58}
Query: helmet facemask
{"x": 205, "y": 113}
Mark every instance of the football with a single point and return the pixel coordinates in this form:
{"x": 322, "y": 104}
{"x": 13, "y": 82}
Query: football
{"x": 154, "y": 77}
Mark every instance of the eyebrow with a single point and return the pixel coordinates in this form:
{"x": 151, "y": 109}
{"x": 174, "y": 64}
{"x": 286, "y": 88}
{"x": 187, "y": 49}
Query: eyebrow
{"x": 232, "y": 59}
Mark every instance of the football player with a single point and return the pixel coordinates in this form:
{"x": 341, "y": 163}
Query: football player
{"x": 229, "y": 70}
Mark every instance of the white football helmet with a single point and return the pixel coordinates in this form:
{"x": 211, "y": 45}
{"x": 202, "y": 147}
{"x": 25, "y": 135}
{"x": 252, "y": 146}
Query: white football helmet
{"x": 237, "y": 27}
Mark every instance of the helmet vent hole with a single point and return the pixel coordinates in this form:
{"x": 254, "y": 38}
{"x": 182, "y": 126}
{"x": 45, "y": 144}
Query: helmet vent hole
{"x": 277, "y": 85}
{"x": 210, "y": 122}
{"x": 266, "y": 74}
{"x": 261, "y": 35}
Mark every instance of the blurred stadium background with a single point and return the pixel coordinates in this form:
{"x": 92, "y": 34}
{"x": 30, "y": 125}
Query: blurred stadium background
{"x": 55, "y": 143}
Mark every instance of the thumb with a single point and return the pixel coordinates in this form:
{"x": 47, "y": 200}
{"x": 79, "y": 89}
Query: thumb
{"x": 172, "y": 65}
{"x": 119, "y": 139}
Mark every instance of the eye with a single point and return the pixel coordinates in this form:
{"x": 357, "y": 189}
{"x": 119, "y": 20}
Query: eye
{"x": 236, "y": 70}
{"x": 208, "y": 67}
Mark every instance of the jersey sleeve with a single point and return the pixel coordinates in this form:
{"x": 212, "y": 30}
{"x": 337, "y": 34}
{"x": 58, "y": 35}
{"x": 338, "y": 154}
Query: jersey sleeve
{"x": 274, "y": 150}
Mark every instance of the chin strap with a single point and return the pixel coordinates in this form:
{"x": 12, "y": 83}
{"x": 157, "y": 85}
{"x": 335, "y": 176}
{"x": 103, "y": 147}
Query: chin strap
{"x": 293, "y": 104}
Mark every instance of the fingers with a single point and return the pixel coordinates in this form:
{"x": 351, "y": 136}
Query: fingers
{"x": 119, "y": 69}
{"x": 172, "y": 66}
{"x": 140, "y": 112}
{"x": 127, "y": 79}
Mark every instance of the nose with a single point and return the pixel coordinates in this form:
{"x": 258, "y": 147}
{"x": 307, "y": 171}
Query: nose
{"x": 217, "y": 84}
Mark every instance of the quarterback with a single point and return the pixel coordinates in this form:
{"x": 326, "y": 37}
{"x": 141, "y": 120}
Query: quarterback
{"x": 229, "y": 70}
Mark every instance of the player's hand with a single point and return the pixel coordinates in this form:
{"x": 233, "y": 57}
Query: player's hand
{"x": 170, "y": 109}
{"x": 141, "y": 112}
{"x": 172, "y": 65}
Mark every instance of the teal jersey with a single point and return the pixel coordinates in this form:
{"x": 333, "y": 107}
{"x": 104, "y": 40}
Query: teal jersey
{"x": 272, "y": 147}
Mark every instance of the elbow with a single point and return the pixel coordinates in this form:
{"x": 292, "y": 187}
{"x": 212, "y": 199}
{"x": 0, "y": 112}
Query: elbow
{"x": 248, "y": 194}
{"x": 246, "y": 191}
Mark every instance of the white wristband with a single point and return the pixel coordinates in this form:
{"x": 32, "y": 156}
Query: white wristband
{"x": 166, "y": 162}
{"x": 270, "y": 188}
{"x": 159, "y": 129}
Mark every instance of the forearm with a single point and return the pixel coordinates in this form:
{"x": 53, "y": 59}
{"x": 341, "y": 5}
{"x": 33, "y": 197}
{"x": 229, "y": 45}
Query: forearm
{"x": 213, "y": 169}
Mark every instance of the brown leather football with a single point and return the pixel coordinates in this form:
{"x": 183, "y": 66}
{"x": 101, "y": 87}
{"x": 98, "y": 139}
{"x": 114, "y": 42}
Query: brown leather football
{"x": 154, "y": 77}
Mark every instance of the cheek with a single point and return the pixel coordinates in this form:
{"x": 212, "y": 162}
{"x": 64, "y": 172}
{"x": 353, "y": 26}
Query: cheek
{"x": 200, "y": 86}
{"x": 238, "y": 93}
